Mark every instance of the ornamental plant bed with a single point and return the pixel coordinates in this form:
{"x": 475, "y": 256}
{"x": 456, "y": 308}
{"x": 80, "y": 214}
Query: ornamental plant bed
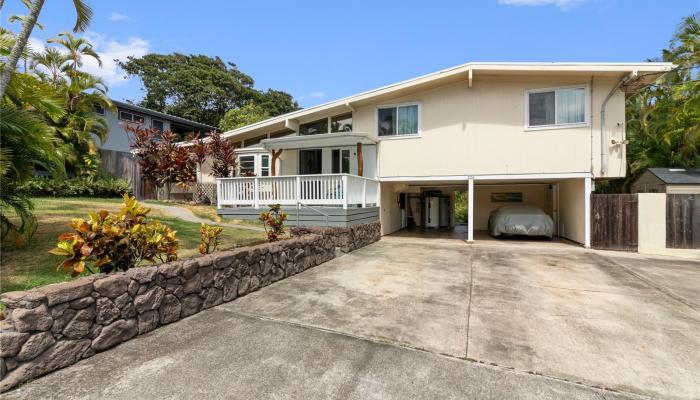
{"x": 54, "y": 326}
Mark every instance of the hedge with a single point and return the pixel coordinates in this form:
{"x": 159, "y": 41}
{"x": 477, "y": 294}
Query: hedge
{"x": 76, "y": 187}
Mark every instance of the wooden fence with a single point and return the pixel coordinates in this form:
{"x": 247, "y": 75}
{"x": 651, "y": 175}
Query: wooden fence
{"x": 614, "y": 221}
{"x": 683, "y": 221}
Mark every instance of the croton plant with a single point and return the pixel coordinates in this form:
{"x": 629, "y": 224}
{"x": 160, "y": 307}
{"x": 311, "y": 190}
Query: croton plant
{"x": 115, "y": 242}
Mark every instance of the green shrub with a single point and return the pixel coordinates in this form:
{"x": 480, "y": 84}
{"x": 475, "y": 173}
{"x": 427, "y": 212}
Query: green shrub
{"x": 115, "y": 242}
{"x": 76, "y": 187}
{"x": 273, "y": 221}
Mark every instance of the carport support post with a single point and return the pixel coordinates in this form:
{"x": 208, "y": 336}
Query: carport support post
{"x": 587, "y": 212}
{"x": 470, "y": 208}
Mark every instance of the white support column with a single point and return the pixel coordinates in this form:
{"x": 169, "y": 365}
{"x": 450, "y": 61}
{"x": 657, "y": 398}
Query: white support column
{"x": 587, "y": 212}
{"x": 256, "y": 193}
{"x": 364, "y": 193}
{"x": 470, "y": 212}
{"x": 298, "y": 191}
{"x": 345, "y": 192}
{"x": 218, "y": 193}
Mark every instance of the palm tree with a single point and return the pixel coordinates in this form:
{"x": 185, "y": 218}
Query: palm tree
{"x": 77, "y": 48}
{"x": 84, "y": 15}
{"x": 52, "y": 60}
{"x": 80, "y": 125}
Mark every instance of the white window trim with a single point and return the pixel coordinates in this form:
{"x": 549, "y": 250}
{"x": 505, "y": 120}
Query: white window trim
{"x": 586, "y": 113}
{"x": 397, "y": 105}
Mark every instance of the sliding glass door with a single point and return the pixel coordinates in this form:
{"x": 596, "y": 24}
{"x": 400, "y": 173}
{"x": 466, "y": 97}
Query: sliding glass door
{"x": 310, "y": 162}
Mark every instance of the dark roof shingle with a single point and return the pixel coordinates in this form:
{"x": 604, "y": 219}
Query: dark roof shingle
{"x": 678, "y": 176}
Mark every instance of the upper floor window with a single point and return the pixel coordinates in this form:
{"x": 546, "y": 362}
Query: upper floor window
{"x": 314, "y": 127}
{"x": 130, "y": 117}
{"x": 157, "y": 124}
{"x": 335, "y": 124}
{"x": 341, "y": 123}
{"x": 99, "y": 109}
{"x": 398, "y": 120}
{"x": 555, "y": 107}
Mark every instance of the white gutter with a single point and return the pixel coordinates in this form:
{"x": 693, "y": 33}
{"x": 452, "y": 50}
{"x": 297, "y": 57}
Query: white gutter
{"x": 603, "y": 137}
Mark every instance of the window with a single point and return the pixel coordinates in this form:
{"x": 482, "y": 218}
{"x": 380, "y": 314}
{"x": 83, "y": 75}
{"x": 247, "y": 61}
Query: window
{"x": 400, "y": 120}
{"x": 264, "y": 165}
{"x": 99, "y": 109}
{"x": 157, "y": 124}
{"x": 130, "y": 117}
{"x": 341, "y": 123}
{"x": 314, "y": 128}
{"x": 335, "y": 124}
{"x": 552, "y": 107}
{"x": 341, "y": 161}
{"x": 310, "y": 162}
{"x": 246, "y": 166}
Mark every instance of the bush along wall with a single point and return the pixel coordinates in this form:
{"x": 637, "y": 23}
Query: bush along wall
{"x": 76, "y": 187}
{"x": 54, "y": 326}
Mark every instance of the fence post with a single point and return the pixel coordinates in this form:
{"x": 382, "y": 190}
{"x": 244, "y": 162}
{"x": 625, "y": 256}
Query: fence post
{"x": 345, "y": 192}
{"x": 256, "y": 193}
{"x": 218, "y": 193}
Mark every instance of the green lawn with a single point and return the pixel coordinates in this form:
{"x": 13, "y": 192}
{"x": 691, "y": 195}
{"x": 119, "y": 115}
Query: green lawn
{"x": 33, "y": 265}
{"x": 204, "y": 211}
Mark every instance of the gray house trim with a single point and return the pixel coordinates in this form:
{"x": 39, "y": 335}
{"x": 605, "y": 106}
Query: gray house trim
{"x": 305, "y": 216}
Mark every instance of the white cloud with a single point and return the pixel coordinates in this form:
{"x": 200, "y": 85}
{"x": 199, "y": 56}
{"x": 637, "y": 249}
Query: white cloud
{"x": 563, "y": 4}
{"x": 317, "y": 95}
{"x": 117, "y": 17}
{"x": 109, "y": 50}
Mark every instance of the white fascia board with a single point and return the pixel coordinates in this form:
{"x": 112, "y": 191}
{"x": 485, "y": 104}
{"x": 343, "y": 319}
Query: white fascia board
{"x": 505, "y": 177}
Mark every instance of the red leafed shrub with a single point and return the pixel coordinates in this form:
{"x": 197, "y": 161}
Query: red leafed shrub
{"x": 223, "y": 154}
{"x": 273, "y": 221}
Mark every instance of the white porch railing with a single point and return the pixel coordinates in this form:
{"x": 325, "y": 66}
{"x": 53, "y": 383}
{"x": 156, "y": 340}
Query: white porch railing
{"x": 324, "y": 190}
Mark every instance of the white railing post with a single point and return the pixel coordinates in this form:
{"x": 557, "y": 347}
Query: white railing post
{"x": 256, "y": 193}
{"x": 364, "y": 193}
{"x": 297, "y": 196}
{"x": 218, "y": 193}
{"x": 345, "y": 191}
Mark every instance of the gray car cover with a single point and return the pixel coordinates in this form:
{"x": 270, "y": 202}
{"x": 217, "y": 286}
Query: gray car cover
{"x": 520, "y": 220}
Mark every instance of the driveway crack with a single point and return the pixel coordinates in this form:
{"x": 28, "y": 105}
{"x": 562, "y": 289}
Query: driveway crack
{"x": 469, "y": 303}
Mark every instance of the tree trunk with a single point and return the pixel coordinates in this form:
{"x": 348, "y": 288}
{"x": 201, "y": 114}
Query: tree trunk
{"x": 19, "y": 45}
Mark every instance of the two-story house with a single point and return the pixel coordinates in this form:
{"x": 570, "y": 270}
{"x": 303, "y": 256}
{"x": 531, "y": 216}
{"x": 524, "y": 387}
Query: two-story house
{"x": 115, "y": 153}
{"x": 538, "y": 134}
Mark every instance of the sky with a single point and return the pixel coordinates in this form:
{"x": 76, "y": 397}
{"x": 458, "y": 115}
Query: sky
{"x": 324, "y": 50}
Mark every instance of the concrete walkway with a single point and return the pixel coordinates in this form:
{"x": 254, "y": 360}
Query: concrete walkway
{"x": 187, "y": 215}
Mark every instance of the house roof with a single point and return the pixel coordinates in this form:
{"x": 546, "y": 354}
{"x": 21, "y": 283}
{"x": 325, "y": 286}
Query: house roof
{"x": 162, "y": 115}
{"x": 677, "y": 176}
{"x": 641, "y": 74}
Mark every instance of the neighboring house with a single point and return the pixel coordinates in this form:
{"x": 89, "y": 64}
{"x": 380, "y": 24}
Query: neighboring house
{"x": 530, "y": 133}
{"x": 668, "y": 180}
{"x": 115, "y": 153}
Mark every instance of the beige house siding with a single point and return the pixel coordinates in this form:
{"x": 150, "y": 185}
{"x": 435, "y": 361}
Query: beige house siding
{"x": 683, "y": 189}
{"x": 481, "y": 130}
{"x": 389, "y": 213}
{"x": 652, "y": 227}
{"x": 572, "y": 209}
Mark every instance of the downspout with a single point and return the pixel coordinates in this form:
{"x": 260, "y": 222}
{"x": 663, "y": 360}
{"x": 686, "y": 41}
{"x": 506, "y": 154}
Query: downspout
{"x": 603, "y": 138}
{"x": 591, "y": 122}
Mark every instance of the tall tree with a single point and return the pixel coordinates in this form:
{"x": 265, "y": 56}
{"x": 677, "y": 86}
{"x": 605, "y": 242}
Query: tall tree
{"x": 84, "y": 15}
{"x": 242, "y": 116}
{"x": 663, "y": 120}
{"x": 199, "y": 87}
{"x": 77, "y": 48}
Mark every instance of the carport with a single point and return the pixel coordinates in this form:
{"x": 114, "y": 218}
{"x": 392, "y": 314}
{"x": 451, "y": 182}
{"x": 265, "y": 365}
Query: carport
{"x": 409, "y": 205}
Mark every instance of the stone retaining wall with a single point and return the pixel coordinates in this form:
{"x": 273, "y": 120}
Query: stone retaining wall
{"x": 54, "y": 326}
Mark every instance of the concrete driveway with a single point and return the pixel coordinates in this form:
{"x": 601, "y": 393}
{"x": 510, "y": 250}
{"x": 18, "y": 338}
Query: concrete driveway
{"x": 425, "y": 318}
{"x": 606, "y": 319}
